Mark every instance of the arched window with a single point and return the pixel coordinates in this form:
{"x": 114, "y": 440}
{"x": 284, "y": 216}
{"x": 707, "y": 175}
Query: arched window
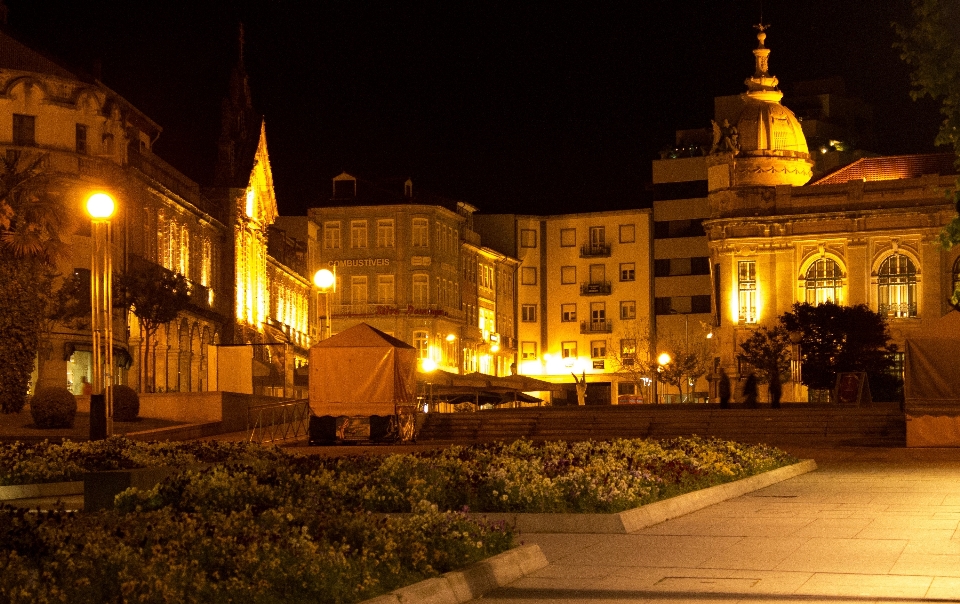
{"x": 824, "y": 282}
{"x": 897, "y": 287}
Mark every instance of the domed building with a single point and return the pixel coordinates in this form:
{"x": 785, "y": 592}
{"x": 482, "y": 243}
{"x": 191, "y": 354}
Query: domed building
{"x": 765, "y": 147}
{"x": 863, "y": 234}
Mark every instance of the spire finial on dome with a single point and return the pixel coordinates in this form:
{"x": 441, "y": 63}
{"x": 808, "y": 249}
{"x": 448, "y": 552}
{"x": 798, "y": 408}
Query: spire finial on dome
{"x": 761, "y": 82}
{"x": 761, "y": 52}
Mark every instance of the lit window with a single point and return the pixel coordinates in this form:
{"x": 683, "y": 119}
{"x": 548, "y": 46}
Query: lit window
{"x": 823, "y": 282}
{"x": 628, "y": 271}
{"x": 385, "y": 233}
{"x": 897, "y": 287}
{"x": 628, "y": 309}
{"x": 568, "y": 313}
{"x": 331, "y": 235}
{"x": 568, "y": 274}
{"x": 747, "y": 287}
{"x": 205, "y": 262}
{"x": 528, "y": 313}
{"x": 421, "y": 341}
{"x": 421, "y": 232}
{"x": 184, "y": 251}
{"x": 628, "y": 348}
{"x": 358, "y": 234}
{"x": 528, "y": 351}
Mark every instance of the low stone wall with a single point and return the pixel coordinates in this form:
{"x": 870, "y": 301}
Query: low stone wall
{"x": 229, "y": 408}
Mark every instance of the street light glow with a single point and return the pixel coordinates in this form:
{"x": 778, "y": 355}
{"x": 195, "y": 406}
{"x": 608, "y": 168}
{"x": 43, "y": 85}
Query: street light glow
{"x": 664, "y": 358}
{"x": 100, "y": 206}
{"x": 323, "y": 279}
{"x": 428, "y": 365}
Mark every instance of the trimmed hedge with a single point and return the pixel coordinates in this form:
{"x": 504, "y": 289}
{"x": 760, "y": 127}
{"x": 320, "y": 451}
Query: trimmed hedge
{"x": 126, "y": 403}
{"x": 53, "y": 407}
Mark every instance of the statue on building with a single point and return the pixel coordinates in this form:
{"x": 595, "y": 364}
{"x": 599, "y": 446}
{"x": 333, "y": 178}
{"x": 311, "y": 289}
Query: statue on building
{"x": 726, "y": 138}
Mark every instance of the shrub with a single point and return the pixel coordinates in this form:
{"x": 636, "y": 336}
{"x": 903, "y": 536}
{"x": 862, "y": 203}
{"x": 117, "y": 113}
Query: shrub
{"x": 53, "y": 407}
{"x": 126, "y": 404}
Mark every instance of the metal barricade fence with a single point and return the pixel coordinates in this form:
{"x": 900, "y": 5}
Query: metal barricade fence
{"x": 283, "y": 420}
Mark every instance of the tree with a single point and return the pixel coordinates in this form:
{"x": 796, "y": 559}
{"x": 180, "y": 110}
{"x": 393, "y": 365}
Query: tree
{"x": 769, "y": 351}
{"x": 836, "y": 339}
{"x": 629, "y": 354}
{"x": 689, "y": 359}
{"x": 35, "y": 223}
{"x": 929, "y": 45}
{"x": 156, "y": 296}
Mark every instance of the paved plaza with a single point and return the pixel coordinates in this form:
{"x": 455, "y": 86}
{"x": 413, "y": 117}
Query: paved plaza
{"x": 870, "y": 525}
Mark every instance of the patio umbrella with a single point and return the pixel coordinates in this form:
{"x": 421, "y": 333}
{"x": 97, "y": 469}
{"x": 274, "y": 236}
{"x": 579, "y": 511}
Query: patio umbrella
{"x": 482, "y": 397}
{"x": 525, "y": 383}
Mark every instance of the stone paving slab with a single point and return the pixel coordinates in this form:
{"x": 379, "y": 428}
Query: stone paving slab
{"x": 881, "y": 527}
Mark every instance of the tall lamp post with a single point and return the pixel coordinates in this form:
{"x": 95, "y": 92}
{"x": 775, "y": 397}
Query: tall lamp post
{"x": 101, "y": 206}
{"x": 326, "y": 281}
{"x": 796, "y": 337}
{"x": 663, "y": 360}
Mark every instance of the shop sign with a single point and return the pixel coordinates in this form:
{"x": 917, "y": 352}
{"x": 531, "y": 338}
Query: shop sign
{"x": 362, "y": 262}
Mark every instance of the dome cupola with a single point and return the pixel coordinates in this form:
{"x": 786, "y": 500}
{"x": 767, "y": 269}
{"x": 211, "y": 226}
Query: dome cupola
{"x": 767, "y": 144}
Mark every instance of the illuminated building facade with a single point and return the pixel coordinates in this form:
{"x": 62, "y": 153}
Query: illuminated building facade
{"x": 412, "y": 266}
{"x": 864, "y": 234}
{"x": 216, "y": 237}
{"x": 270, "y": 293}
{"x": 584, "y": 296}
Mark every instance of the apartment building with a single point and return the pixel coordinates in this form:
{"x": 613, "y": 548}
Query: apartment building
{"x": 584, "y": 298}
{"x": 412, "y": 266}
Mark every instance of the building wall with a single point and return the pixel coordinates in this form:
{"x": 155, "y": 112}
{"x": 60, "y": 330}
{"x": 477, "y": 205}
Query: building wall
{"x": 429, "y": 284}
{"x": 857, "y": 226}
{"x": 682, "y": 282}
{"x": 572, "y": 289}
{"x": 98, "y": 141}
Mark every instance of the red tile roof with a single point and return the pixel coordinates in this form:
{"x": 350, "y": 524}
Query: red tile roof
{"x": 892, "y": 167}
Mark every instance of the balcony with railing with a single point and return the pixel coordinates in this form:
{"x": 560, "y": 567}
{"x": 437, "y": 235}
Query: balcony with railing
{"x": 595, "y": 250}
{"x": 596, "y": 326}
{"x": 595, "y": 288}
{"x": 900, "y": 310}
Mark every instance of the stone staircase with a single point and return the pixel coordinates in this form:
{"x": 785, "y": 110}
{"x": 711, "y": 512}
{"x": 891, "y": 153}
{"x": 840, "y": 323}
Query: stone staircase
{"x": 797, "y": 425}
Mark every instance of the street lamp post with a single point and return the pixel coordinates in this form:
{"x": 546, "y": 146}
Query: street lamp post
{"x": 662, "y": 361}
{"x": 101, "y": 206}
{"x": 796, "y": 337}
{"x": 326, "y": 281}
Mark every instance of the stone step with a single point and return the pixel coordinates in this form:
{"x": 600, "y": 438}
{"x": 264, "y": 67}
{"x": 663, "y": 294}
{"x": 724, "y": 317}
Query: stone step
{"x": 810, "y": 425}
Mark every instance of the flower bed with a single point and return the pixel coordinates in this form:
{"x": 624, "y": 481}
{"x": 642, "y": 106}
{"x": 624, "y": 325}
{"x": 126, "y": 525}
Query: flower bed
{"x": 260, "y": 525}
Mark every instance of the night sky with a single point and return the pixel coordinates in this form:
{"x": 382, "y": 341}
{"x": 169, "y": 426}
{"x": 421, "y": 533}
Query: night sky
{"x": 533, "y": 107}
